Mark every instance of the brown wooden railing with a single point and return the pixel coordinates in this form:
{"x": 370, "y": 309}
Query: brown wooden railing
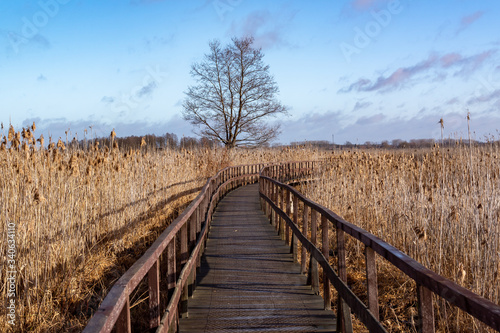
{"x": 280, "y": 202}
{"x": 183, "y": 243}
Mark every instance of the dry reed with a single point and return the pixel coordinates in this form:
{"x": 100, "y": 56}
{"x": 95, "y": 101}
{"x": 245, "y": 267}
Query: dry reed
{"x": 440, "y": 206}
{"x": 83, "y": 217}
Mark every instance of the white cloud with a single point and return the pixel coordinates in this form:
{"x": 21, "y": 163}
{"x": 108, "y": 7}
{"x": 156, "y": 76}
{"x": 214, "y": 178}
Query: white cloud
{"x": 379, "y": 127}
{"x": 56, "y": 127}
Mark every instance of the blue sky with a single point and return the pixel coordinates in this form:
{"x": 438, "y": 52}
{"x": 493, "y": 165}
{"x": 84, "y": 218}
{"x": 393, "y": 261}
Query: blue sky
{"x": 354, "y": 70}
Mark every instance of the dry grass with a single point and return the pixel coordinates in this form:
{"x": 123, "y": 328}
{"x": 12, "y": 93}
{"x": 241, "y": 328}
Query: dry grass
{"x": 83, "y": 217}
{"x": 440, "y": 206}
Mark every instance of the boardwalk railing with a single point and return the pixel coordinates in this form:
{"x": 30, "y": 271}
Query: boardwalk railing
{"x": 281, "y": 203}
{"x": 183, "y": 244}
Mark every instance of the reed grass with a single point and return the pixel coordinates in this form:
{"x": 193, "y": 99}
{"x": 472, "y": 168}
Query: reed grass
{"x": 84, "y": 216}
{"x": 439, "y": 206}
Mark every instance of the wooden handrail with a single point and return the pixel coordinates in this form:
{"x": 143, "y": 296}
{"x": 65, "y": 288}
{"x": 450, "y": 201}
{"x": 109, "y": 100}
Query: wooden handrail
{"x": 191, "y": 228}
{"x": 274, "y": 192}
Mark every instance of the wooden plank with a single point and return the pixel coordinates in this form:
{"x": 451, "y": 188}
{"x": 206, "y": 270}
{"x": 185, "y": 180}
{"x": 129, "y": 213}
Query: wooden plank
{"x": 358, "y": 307}
{"x": 248, "y": 280}
{"x": 479, "y": 307}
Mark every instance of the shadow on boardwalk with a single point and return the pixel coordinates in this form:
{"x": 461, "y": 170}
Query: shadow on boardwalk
{"x": 248, "y": 281}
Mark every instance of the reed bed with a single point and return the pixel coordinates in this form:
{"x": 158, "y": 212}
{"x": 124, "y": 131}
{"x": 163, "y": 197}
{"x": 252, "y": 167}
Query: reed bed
{"x": 440, "y": 206}
{"x": 83, "y": 217}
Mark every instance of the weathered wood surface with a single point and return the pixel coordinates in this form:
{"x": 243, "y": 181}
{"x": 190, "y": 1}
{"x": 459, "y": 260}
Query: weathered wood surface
{"x": 248, "y": 281}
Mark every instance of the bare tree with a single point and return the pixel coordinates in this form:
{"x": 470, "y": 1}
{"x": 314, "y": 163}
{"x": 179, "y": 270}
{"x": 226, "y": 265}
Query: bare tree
{"x": 234, "y": 95}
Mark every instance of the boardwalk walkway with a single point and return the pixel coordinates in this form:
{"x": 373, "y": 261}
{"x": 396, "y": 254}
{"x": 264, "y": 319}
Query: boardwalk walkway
{"x": 248, "y": 281}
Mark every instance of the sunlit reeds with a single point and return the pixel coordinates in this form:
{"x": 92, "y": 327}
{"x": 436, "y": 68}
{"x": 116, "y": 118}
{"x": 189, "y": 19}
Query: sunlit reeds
{"x": 84, "y": 216}
{"x": 440, "y": 206}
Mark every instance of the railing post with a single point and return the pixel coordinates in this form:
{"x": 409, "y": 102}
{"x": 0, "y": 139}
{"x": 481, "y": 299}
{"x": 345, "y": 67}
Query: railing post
{"x": 183, "y": 304}
{"x": 261, "y": 190}
{"x": 203, "y": 213}
{"x": 274, "y": 198}
{"x": 326, "y": 252}
{"x": 154, "y": 295}
{"x": 305, "y": 226}
{"x": 371, "y": 281}
{"x": 344, "y": 321}
{"x": 313, "y": 276}
{"x": 425, "y": 310}
{"x": 193, "y": 221}
{"x": 269, "y": 194}
{"x": 171, "y": 266}
{"x": 282, "y": 221}
{"x": 184, "y": 242}
{"x": 266, "y": 204}
{"x": 288, "y": 212}
{"x": 123, "y": 324}
{"x": 192, "y": 282}
{"x": 296, "y": 222}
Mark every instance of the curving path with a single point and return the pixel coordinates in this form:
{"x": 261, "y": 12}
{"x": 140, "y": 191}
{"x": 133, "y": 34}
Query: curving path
{"x": 248, "y": 281}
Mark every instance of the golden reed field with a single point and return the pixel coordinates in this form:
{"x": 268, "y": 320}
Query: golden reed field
{"x": 440, "y": 206}
{"x": 82, "y": 217}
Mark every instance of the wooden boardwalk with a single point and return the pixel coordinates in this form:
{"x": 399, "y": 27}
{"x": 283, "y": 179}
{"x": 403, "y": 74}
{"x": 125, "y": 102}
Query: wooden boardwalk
{"x": 248, "y": 281}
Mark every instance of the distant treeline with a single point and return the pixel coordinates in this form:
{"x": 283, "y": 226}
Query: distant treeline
{"x": 148, "y": 141}
{"x": 394, "y": 144}
{"x": 171, "y": 141}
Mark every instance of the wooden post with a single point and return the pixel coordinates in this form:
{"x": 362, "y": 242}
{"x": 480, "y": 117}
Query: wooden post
{"x": 183, "y": 304}
{"x": 296, "y": 222}
{"x": 305, "y": 226}
{"x": 202, "y": 215}
{"x": 261, "y": 190}
{"x": 326, "y": 252}
{"x": 154, "y": 295}
{"x": 269, "y": 191}
{"x": 171, "y": 266}
{"x": 344, "y": 321}
{"x": 313, "y": 276}
{"x": 282, "y": 221}
{"x": 425, "y": 310}
{"x": 192, "y": 282}
{"x": 266, "y": 193}
{"x": 274, "y": 200}
{"x": 371, "y": 281}
{"x": 277, "y": 202}
{"x": 184, "y": 244}
{"x": 193, "y": 221}
{"x": 288, "y": 213}
{"x": 123, "y": 324}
